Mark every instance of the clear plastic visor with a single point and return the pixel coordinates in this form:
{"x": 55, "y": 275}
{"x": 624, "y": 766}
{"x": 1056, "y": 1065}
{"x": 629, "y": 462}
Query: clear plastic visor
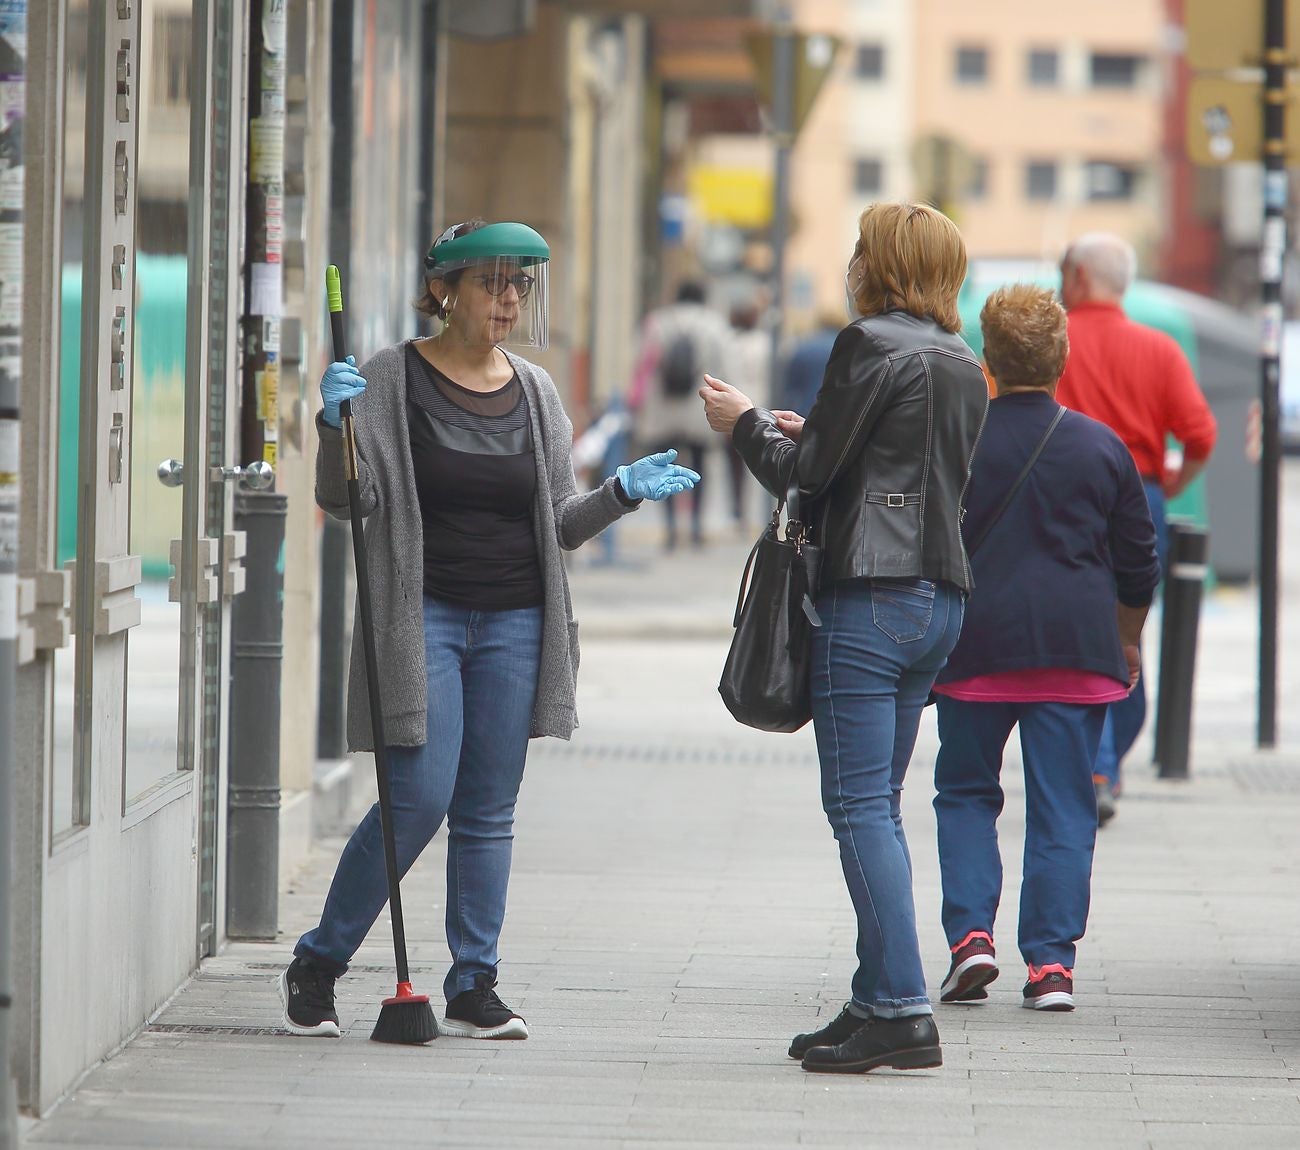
{"x": 494, "y": 301}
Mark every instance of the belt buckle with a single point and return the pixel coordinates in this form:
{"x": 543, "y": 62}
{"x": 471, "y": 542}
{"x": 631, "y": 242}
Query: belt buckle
{"x": 894, "y": 500}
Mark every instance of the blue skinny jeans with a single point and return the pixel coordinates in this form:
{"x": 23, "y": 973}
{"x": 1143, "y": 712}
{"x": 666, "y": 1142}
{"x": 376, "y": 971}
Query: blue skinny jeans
{"x": 482, "y": 668}
{"x": 875, "y": 658}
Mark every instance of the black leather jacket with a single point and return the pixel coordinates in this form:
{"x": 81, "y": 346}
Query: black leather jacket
{"x": 885, "y": 454}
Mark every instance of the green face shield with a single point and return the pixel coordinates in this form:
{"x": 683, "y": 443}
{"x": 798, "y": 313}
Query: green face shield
{"x": 496, "y": 282}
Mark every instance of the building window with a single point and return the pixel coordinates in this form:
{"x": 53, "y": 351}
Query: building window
{"x": 1106, "y": 181}
{"x": 1040, "y": 180}
{"x": 1042, "y": 68}
{"x": 1114, "y": 70}
{"x": 868, "y": 177}
{"x": 972, "y": 65}
{"x": 870, "y": 63}
{"x": 977, "y": 183}
{"x": 171, "y": 60}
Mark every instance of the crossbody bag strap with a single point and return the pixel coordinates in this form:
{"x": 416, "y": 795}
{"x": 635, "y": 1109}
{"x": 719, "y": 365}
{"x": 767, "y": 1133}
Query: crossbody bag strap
{"x": 1016, "y": 486}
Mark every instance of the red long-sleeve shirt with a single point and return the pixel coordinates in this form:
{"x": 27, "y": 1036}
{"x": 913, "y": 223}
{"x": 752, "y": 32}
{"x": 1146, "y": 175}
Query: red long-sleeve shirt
{"x": 1137, "y": 381}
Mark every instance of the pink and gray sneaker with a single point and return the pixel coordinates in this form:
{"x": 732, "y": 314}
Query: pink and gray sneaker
{"x": 1049, "y": 987}
{"x": 974, "y": 966}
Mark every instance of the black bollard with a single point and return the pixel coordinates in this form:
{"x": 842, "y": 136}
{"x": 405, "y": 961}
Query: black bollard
{"x": 1188, "y": 550}
{"x": 256, "y": 653}
{"x": 1160, "y": 736}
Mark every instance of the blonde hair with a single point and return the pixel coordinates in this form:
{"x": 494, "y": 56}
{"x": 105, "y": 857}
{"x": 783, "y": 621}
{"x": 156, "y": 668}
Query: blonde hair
{"x": 912, "y": 257}
{"x": 1025, "y": 340}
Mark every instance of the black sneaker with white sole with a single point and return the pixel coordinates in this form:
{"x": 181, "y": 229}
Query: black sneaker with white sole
{"x": 307, "y": 993}
{"x": 479, "y": 1013}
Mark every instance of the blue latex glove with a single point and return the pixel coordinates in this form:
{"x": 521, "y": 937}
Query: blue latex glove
{"x": 341, "y": 381}
{"x": 655, "y": 477}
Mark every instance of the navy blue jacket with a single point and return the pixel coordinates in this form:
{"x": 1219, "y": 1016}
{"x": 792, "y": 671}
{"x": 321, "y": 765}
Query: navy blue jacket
{"x": 1077, "y": 536}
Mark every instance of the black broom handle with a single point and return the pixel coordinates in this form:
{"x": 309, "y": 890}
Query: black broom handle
{"x": 368, "y": 644}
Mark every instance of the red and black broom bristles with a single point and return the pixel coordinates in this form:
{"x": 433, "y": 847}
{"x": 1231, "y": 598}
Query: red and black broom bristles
{"x": 406, "y": 1018}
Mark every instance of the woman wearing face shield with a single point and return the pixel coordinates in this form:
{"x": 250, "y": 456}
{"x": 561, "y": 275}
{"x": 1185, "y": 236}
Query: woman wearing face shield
{"x": 469, "y": 497}
{"x": 882, "y": 462}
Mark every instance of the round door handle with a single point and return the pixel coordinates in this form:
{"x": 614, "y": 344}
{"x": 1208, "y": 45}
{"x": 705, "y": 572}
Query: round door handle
{"x": 256, "y": 476}
{"x": 171, "y": 473}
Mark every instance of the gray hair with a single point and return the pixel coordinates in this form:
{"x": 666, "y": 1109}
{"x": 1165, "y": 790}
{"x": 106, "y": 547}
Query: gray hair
{"x": 1110, "y": 259}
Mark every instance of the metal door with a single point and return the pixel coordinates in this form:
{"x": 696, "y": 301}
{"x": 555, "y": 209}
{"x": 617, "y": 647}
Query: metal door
{"x": 129, "y": 869}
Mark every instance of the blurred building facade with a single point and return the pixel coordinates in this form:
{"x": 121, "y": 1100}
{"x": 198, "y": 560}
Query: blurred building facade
{"x": 1054, "y": 114}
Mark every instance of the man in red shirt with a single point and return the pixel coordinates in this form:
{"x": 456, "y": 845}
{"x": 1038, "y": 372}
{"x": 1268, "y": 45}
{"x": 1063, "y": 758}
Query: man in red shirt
{"x": 1138, "y": 382}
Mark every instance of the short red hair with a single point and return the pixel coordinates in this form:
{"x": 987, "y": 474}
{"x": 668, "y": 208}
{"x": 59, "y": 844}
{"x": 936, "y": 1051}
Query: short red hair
{"x": 1025, "y": 336}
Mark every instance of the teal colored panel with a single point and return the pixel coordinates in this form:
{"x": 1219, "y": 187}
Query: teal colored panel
{"x": 158, "y": 414}
{"x": 158, "y": 421}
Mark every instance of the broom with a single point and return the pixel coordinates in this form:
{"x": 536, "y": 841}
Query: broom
{"x": 405, "y": 1018}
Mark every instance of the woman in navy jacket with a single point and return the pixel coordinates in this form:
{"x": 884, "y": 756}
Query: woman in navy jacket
{"x": 1063, "y": 580}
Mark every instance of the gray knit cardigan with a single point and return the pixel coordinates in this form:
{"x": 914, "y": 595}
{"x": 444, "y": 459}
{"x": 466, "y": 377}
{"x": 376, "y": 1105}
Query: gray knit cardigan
{"x": 562, "y": 518}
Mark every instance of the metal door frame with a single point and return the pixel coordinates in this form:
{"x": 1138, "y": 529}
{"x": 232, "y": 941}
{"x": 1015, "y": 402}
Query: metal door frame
{"x": 87, "y": 897}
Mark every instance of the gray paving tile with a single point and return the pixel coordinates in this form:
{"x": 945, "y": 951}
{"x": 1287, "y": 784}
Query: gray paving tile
{"x": 1208, "y": 1136}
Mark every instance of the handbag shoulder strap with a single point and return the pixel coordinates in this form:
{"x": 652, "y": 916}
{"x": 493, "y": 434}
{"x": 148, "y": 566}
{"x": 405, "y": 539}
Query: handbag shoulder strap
{"x": 789, "y": 501}
{"x": 1017, "y": 485}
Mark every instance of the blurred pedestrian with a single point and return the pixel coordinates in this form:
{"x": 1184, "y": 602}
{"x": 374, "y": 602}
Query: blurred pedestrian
{"x": 752, "y": 363}
{"x": 882, "y": 462}
{"x": 803, "y": 371}
{"x": 1063, "y": 554}
{"x": 1136, "y": 381}
{"x": 470, "y": 498}
{"x": 678, "y": 343}
{"x": 597, "y": 454}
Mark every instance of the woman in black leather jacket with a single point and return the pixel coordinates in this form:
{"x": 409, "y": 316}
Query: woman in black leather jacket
{"x": 882, "y": 463}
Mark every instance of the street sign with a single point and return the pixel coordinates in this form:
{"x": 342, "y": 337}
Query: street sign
{"x": 1225, "y": 122}
{"x": 1222, "y": 35}
{"x": 814, "y": 56}
{"x": 741, "y": 197}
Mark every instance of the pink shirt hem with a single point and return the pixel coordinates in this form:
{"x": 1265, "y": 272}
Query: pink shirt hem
{"x": 1053, "y": 685}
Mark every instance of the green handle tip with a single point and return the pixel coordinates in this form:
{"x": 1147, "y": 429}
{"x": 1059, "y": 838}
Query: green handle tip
{"x": 333, "y": 288}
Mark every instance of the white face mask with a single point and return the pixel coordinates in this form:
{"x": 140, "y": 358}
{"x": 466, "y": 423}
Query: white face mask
{"x": 850, "y": 300}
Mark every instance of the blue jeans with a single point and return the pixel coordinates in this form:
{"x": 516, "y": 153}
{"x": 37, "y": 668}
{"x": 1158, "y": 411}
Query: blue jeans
{"x": 875, "y": 658}
{"x": 1124, "y": 720}
{"x": 482, "y": 668}
{"x": 1058, "y": 742}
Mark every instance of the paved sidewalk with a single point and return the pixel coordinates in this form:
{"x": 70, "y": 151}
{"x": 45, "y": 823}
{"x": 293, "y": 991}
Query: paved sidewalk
{"x": 677, "y": 914}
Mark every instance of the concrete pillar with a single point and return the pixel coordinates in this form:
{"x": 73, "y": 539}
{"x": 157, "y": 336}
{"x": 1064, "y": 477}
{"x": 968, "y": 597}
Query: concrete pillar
{"x": 307, "y": 190}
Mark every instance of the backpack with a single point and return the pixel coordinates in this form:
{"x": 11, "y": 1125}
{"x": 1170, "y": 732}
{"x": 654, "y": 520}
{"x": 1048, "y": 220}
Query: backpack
{"x": 677, "y": 366}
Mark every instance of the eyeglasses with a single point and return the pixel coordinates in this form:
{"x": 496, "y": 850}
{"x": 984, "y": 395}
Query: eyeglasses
{"x": 496, "y": 285}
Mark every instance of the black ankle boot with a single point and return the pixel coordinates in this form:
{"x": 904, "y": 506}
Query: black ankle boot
{"x": 900, "y": 1043}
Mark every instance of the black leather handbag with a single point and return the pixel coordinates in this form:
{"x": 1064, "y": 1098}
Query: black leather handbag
{"x": 765, "y": 680}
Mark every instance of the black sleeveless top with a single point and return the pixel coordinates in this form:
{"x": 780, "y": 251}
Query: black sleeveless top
{"x": 476, "y": 478}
